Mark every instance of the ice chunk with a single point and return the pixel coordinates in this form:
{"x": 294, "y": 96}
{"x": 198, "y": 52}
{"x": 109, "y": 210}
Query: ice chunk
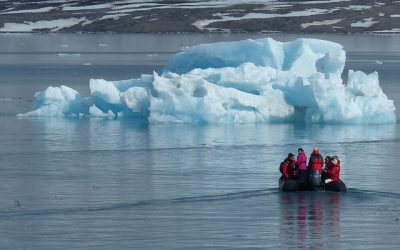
{"x": 246, "y": 81}
{"x": 298, "y": 56}
{"x": 136, "y": 99}
{"x": 60, "y": 101}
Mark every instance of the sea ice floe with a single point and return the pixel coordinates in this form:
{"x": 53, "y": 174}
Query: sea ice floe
{"x": 247, "y": 81}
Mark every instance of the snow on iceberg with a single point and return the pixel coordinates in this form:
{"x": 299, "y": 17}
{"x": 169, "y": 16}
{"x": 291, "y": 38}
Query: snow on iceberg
{"x": 236, "y": 82}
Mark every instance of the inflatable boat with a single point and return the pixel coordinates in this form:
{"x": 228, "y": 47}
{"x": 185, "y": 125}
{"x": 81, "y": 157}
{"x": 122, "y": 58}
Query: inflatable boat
{"x": 293, "y": 186}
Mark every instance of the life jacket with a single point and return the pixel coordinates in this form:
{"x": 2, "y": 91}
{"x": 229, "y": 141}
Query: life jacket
{"x": 302, "y": 161}
{"x": 334, "y": 171}
{"x": 288, "y": 169}
{"x": 281, "y": 166}
{"x": 317, "y": 163}
{"x": 284, "y": 169}
{"x": 292, "y": 169}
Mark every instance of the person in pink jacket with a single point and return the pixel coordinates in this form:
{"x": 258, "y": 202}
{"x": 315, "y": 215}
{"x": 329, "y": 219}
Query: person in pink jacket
{"x": 302, "y": 167}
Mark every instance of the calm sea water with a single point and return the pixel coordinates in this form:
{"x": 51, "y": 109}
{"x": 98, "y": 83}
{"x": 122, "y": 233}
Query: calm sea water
{"x": 116, "y": 184}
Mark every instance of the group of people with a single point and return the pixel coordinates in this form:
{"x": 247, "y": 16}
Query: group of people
{"x": 316, "y": 172}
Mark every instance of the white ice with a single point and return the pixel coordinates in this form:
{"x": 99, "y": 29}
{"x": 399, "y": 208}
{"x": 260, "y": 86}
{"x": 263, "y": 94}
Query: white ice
{"x": 247, "y": 81}
{"x": 318, "y": 23}
{"x": 224, "y": 17}
{"x": 53, "y": 25}
{"x": 40, "y": 10}
{"x": 393, "y": 30}
{"x": 365, "y": 23}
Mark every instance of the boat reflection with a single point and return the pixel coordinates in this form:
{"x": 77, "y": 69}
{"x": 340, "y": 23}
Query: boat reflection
{"x": 310, "y": 220}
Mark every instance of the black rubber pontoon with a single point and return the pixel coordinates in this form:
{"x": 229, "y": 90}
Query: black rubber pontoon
{"x": 293, "y": 186}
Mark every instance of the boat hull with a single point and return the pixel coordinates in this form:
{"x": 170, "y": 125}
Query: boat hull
{"x": 294, "y": 186}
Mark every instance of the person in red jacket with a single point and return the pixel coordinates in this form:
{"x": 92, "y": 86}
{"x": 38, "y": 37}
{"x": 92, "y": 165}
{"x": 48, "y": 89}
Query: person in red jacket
{"x": 324, "y": 174}
{"x": 333, "y": 169}
{"x": 288, "y": 167}
{"x": 315, "y": 165}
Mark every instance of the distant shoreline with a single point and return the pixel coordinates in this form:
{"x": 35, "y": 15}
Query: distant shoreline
{"x": 233, "y": 16}
{"x": 202, "y": 32}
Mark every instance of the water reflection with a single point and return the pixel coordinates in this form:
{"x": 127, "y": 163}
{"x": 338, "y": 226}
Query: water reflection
{"x": 109, "y": 134}
{"x": 310, "y": 220}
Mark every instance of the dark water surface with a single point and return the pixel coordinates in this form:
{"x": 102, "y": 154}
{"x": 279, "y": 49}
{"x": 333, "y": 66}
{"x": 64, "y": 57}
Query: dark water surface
{"x": 115, "y": 184}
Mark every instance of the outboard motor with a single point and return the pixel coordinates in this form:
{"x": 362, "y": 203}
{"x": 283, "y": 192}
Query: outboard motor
{"x": 315, "y": 179}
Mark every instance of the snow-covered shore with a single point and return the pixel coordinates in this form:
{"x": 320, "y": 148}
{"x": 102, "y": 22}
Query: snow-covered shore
{"x": 134, "y": 16}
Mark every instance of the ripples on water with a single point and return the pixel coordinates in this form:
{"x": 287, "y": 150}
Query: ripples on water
{"x": 114, "y": 184}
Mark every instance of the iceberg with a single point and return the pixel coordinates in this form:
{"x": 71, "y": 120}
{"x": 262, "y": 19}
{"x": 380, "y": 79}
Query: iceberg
{"x": 249, "y": 81}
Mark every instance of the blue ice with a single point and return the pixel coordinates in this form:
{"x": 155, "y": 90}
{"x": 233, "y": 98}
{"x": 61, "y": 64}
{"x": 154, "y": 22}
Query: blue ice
{"x": 249, "y": 81}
